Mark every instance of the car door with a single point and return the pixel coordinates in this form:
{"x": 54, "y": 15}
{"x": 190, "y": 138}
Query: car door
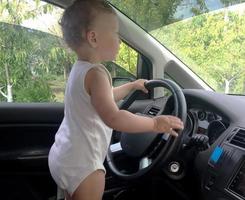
{"x": 36, "y": 66}
{"x": 27, "y": 132}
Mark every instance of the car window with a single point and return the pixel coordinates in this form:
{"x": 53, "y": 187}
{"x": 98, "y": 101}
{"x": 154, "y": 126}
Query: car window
{"x": 35, "y": 62}
{"x": 124, "y": 68}
{"x": 207, "y": 36}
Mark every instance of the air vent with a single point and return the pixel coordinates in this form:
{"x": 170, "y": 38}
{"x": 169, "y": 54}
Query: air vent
{"x": 153, "y": 111}
{"x": 239, "y": 138}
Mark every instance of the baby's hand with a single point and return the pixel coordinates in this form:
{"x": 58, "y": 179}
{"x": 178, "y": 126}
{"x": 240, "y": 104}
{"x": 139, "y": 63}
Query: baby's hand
{"x": 139, "y": 85}
{"x": 167, "y": 124}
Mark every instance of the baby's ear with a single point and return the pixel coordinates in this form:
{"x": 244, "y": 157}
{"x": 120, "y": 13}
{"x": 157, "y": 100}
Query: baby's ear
{"x": 92, "y": 38}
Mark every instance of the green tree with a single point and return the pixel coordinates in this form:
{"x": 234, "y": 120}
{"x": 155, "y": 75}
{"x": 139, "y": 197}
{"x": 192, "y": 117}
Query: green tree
{"x": 13, "y": 54}
{"x": 29, "y": 59}
{"x": 150, "y": 14}
{"x": 127, "y": 58}
{"x": 213, "y": 45}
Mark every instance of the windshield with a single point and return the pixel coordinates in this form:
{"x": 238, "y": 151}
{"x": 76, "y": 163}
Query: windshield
{"x": 207, "y": 35}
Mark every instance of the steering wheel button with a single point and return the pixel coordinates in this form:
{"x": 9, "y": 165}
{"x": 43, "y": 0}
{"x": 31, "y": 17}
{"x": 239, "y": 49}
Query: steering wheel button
{"x": 174, "y": 167}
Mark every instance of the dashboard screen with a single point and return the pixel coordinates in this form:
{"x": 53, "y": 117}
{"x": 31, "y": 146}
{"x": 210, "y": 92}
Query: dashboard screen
{"x": 238, "y": 183}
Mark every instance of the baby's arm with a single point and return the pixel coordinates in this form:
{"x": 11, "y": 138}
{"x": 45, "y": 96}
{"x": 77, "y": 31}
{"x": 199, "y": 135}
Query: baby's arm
{"x": 122, "y": 91}
{"x": 99, "y": 88}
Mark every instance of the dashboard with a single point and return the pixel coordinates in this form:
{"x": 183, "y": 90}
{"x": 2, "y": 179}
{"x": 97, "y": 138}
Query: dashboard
{"x": 221, "y": 167}
{"x": 218, "y": 170}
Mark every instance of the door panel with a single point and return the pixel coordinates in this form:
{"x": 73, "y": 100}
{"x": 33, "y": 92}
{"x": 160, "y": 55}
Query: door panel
{"x": 26, "y": 134}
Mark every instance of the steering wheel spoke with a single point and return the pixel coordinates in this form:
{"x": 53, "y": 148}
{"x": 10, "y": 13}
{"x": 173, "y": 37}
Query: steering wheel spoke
{"x": 116, "y": 148}
{"x": 165, "y": 137}
{"x": 144, "y": 162}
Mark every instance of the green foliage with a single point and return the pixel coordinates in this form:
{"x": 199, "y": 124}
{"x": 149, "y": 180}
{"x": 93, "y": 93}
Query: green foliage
{"x": 31, "y": 56}
{"x": 38, "y": 63}
{"x": 200, "y": 8}
{"x": 118, "y": 71}
{"x": 10, "y": 8}
{"x": 36, "y": 90}
{"x": 27, "y": 57}
{"x": 127, "y": 58}
{"x": 213, "y": 44}
{"x": 231, "y": 2}
{"x": 150, "y": 14}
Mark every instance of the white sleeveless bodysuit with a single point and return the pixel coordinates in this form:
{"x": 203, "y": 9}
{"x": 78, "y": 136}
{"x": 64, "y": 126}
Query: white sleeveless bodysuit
{"x": 82, "y": 140}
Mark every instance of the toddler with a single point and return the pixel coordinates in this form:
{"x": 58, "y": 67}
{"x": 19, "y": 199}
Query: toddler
{"x": 90, "y": 28}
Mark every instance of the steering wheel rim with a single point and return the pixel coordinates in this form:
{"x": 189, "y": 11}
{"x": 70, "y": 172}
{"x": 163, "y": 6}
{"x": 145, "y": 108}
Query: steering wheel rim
{"x": 172, "y": 144}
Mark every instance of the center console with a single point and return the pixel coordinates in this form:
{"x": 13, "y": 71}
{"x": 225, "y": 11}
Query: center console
{"x": 237, "y": 184}
{"x": 224, "y": 178}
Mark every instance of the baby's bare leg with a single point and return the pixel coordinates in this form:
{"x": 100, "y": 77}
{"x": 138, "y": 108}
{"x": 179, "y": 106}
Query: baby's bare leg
{"x": 92, "y": 188}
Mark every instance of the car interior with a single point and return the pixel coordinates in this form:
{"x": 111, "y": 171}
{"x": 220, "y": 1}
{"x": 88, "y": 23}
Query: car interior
{"x": 205, "y": 162}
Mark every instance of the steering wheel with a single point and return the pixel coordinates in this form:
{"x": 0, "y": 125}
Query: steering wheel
{"x": 149, "y": 149}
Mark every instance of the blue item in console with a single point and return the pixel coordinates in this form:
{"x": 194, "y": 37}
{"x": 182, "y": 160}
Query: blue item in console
{"x": 216, "y": 154}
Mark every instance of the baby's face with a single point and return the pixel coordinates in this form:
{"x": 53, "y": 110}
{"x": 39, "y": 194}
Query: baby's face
{"x": 106, "y": 27}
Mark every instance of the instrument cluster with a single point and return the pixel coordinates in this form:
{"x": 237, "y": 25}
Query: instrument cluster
{"x": 207, "y": 123}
